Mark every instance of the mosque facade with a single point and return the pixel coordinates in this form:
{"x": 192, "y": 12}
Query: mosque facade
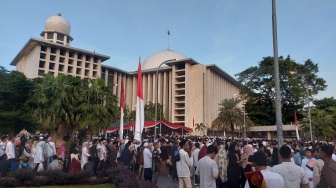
{"x": 189, "y": 91}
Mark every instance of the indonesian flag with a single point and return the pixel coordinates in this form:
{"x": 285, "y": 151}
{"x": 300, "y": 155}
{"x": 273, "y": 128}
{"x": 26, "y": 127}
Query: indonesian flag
{"x": 296, "y": 126}
{"x": 122, "y": 104}
{"x": 139, "y": 120}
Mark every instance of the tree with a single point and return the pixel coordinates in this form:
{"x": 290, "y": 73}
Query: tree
{"x": 325, "y": 103}
{"x": 14, "y": 94}
{"x": 230, "y": 115}
{"x": 149, "y": 110}
{"x": 323, "y": 123}
{"x": 257, "y": 84}
{"x": 200, "y": 127}
{"x": 73, "y": 103}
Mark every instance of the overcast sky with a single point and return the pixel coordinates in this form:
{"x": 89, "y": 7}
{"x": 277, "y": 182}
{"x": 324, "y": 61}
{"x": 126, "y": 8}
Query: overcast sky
{"x": 234, "y": 34}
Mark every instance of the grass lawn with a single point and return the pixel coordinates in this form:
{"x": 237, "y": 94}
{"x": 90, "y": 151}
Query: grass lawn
{"x": 109, "y": 185}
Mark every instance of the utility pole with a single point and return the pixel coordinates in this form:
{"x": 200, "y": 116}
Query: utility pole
{"x": 276, "y": 77}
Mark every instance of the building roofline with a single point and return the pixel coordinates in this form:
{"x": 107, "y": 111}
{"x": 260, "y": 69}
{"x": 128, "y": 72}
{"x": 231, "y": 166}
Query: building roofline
{"x": 32, "y": 42}
{"x": 222, "y": 73}
{"x": 115, "y": 68}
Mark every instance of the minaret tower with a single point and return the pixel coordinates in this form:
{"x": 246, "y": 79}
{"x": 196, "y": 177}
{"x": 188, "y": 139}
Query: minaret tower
{"x": 57, "y": 30}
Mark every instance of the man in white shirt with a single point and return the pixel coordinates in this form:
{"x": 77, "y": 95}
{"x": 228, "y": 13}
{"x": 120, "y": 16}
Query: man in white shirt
{"x": 147, "y": 155}
{"x": 194, "y": 156}
{"x": 50, "y": 151}
{"x": 3, "y": 143}
{"x": 10, "y": 150}
{"x": 183, "y": 165}
{"x": 308, "y": 170}
{"x": 272, "y": 180}
{"x": 293, "y": 175}
{"x": 207, "y": 168}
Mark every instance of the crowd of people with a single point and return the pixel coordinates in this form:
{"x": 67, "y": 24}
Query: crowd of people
{"x": 207, "y": 162}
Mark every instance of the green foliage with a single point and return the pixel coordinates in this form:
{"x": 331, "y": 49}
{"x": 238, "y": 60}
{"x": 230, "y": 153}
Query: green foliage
{"x": 14, "y": 94}
{"x": 258, "y": 86}
{"x": 325, "y": 103}
{"x": 149, "y": 110}
{"x": 73, "y": 102}
{"x": 230, "y": 115}
{"x": 323, "y": 123}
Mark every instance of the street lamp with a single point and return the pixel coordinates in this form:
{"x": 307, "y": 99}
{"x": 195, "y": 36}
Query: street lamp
{"x": 157, "y": 91}
{"x": 244, "y": 126}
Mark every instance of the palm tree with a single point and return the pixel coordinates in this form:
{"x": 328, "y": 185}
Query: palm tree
{"x": 323, "y": 123}
{"x": 230, "y": 115}
{"x": 199, "y": 127}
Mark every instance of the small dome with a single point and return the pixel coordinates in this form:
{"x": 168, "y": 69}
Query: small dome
{"x": 154, "y": 61}
{"x": 57, "y": 23}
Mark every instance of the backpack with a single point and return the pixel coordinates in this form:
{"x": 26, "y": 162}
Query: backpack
{"x": 177, "y": 155}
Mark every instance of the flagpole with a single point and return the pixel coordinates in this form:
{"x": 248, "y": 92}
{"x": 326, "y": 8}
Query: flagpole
{"x": 122, "y": 102}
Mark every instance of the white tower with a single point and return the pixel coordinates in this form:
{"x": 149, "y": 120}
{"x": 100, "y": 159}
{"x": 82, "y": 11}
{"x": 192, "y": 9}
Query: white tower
{"x": 57, "y": 30}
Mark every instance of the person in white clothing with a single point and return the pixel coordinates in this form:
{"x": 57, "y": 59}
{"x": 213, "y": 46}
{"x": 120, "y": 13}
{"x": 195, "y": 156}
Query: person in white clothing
{"x": 3, "y": 143}
{"x": 207, "y": 168}
{"x": 10, "y": 149}
{"x": 293, "y": 175}
{"x": 85, "y": 154}
{"x": 38, "y": 156}
{"x": 308, "y": 169}
{"x": 194, "y": 156}
{"x": 334, "y": 154}
{"x": 183, "y": 165}
{"x": 272, "y": 180}
{"x": 50, "y": 151}
{"x": 147, "y": 156}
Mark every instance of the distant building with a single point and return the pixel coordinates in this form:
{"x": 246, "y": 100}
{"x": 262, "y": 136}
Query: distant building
{"x": 53, "y": 54}
{"x": 190, "y": 92}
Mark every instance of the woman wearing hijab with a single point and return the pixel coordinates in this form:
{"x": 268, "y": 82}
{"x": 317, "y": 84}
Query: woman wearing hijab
{"x": 33, "y": 151}
{"x": 85, "y": 154}
{"x": 234, "y": 169}
{"x": 247, "y": 158}
{"x": 246, "y": 162}
{"x": 38, "y": 156}
{"x": 275, "y": 157}
{"x": 74, "y": 166}
{"x": 62, "y": 151}
{"x": 126, "y": 155}
{"x": 222, "y": 165}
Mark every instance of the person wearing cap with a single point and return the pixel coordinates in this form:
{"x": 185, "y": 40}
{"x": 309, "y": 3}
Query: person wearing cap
{"x": 207, "y": 168}
{"x": 156, "y": 160}
{"x": 147, "y": 155}
{"x": 297, "y": 156}
{"x": 307, "y": 164}
{"x": 183, "y": 165}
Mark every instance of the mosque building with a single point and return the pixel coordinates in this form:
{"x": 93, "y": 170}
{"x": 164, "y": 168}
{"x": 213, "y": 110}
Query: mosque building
{"x": 189, "y": 91}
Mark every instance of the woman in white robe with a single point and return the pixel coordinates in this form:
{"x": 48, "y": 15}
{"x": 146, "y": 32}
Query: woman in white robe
{"x": 85, "y": 154}
{"x": 38, "y": 157}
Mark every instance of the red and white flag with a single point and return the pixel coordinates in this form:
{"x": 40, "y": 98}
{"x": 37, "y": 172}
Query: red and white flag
{"x": 296, "y": 126}
{"x": 122, "y": 104}
{"x": 139, "y": 120}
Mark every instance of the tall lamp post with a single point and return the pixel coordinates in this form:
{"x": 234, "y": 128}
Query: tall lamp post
{"x": 244, "y": 126}
{"x": 276, "y": 77}
{"x": 157, "y": 91}
{"x": 310, "y": 124}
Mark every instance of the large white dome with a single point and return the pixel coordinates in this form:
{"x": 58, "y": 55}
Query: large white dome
{"x": 57, "y": 23}
{"x": 154, "y": 61}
